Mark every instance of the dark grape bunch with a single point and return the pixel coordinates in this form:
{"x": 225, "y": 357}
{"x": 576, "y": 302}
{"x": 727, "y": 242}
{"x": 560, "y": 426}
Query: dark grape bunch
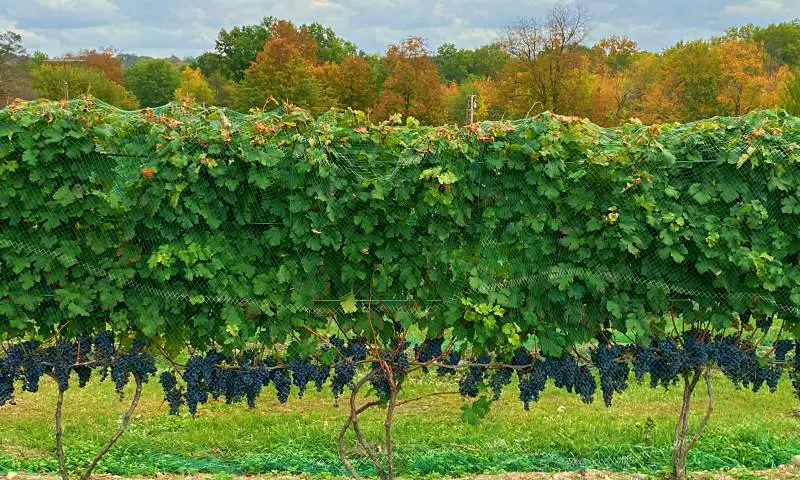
{"x": 29, "y": 361}
{"x": 614, "y": 370}
{"x": 469, "y": 384}
{"x": 449, "y": 365}
{"x": 242, "y": 378}
{"x": 531, "y": 383}
{"x": 397, "y": 360}
{"x": 215, "y": 375}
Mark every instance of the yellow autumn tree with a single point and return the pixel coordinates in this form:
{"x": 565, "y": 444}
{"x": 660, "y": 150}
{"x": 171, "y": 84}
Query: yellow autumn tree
{"x": 193, "y": 87}
{"x": 745, "y": 81}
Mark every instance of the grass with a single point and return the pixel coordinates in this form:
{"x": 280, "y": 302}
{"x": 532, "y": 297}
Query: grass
{"x": 752, "y": 431}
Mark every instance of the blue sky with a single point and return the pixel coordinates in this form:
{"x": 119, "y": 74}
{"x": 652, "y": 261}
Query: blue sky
{"x": 184, "y": 27}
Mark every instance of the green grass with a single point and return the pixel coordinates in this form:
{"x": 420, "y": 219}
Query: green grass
{"x": 754, "y": 431}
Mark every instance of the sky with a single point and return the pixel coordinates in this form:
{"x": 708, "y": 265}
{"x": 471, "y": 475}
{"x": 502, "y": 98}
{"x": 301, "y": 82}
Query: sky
{"x": 187, "y": 28}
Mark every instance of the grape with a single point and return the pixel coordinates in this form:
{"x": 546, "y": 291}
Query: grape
{"x": 562, "y": 370}
{"x": 357, "y": 349}
{"x": 84, "y": 374}
{"x": 321, "y": 375}
{"x": 468, "y": 385}
{"x": 430, "y": 349}
{"x": 666, "y": 363}
{"x": 794, "y": 375}
{"x": 773, "y": 376}
{"x": 521, "y": 358}
{"x": 303, "y": 372}
{"x": 104, "y": 345}
{"x": 731, "y": 359}
{"x": 397, "y": 359}
{"x": 453, "y": 358}
{"x": 33, "y": 371}
{"x": 613, "y": 370}
{"x": 782, "y": 347}
{"x": 695, "y": 352}
{"x": 283, "y": 383}
{"x": 531, "y": 383}
{"x": 172, "y": 394}
{"x": 585, "y": 385}
{"x": 764, "y": 323}
{"x": 338, "y": 344}
{"x": 343, "y": 373}
{"x": 6, "y": 382}
{"x": 643, "y": 359}
{"x": 196, "y": 390}
{"x": 499, "y": 379}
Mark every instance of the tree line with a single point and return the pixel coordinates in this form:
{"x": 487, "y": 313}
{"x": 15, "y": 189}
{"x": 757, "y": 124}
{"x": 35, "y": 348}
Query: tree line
{"x": 537, "y": 64}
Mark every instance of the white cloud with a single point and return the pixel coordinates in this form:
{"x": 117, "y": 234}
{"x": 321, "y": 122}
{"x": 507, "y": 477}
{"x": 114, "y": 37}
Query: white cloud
{"x": 188, "y": 27}
{"x": 760, "y": 7}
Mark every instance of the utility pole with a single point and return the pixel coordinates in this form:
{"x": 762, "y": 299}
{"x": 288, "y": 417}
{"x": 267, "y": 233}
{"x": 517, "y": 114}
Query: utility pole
{"x": 472, "y": 105}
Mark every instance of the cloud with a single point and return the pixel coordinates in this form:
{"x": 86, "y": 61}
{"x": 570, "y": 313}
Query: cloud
{"x": 188, "y": 27}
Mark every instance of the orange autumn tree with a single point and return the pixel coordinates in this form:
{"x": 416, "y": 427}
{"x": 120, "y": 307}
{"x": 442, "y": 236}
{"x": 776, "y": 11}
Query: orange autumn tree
{"x": 106, "y": 61}
{"x": 413, "y": 86}
{"x": 283, "y": 71}
{"x": 745, "y": 80}
{"x": 348, "y": 84}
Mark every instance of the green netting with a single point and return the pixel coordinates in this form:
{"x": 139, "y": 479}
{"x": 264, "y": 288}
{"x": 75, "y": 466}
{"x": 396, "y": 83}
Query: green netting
{"x": 568, "y": 226}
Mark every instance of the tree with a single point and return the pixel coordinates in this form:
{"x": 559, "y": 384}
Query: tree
{"x": 153, "y": 81}
{"x": 745, "y": 83}
{"x": 452, "y": 62}
{"x": 780, "y": 40}
{"x": 545, "y": 50}
{"x": 11, "y": 50}
{"x": 488, "y": 60}
{"x": 618, "y": 53}
{"x": 330, "y": 47}
{"x": 68, "y": 80}
{"x": 283, "y": 71}
{"x": 239, "y": 47}
{"x": 790, "y": 94}
{"x": 692, "y": 75}
{"x": 461, "y": 64}
{"x": 349, "y": 83}
{"x": 105, "y": 61}
{"x": 211, "y": 63}
{"x": 194, "y": 87}
{"x": 413, "y": 86}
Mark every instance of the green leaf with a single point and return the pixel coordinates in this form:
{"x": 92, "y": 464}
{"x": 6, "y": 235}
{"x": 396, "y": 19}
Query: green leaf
{"x": 614, "y": 308}
{"x": 64, "y": 196}
{"x": 348, "y": 303}
{"x": 474, "y": 413}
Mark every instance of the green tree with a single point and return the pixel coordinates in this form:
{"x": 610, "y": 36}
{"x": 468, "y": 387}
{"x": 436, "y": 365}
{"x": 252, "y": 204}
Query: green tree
{"x": 488, "y": 60}
{"x": 63, "y": 80}
{"x": 211, "y": 63}
{"x": 239, "y": 46}
{"x": 452, "y": 62}
{"x": 693, "y": 74}
{"x": 330, "y": 47}
{"x": 153, "y": 81}
{"x": 781, "y": 40}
